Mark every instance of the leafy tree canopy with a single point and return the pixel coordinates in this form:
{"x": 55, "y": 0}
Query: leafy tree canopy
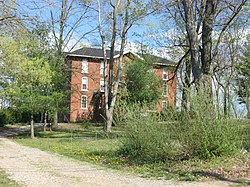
{"x": 143, "y": 85}
{"x": 25, "y": 78}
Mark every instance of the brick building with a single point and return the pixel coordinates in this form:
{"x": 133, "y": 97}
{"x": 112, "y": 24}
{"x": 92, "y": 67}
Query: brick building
{"x": 87, "y": 83}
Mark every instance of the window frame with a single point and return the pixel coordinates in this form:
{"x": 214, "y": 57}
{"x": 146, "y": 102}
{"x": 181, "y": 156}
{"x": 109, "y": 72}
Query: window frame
{"x": 85, "y": 66}
{"x": 86, "y": 79}
{"x": 102, "y": 67}
{"x": 164, "y": 73}
{"x": 85, "y": 102}
{"x": 102, "y": 81}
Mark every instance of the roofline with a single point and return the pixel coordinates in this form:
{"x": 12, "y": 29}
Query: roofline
{"x": 165, "y": 64}
{"x": 99, "y": 57}
{"x": 76, "y": 55}
{"x": 118, "y": 55}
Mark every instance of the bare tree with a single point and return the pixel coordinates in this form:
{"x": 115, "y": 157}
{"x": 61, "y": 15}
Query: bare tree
{"x": 124, "y": 15}
{"x": 200, "y": 18}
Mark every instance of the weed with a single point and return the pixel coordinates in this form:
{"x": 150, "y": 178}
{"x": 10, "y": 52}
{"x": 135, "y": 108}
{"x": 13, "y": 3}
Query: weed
{"x": 6, "y": 181}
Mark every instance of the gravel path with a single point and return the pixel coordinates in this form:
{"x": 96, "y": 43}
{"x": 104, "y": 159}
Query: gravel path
{"x": 32, "y": 167}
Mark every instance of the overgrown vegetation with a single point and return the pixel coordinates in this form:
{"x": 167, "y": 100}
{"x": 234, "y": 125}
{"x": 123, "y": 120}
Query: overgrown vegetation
{"x": 197, "y": 135}
{"x": 5, "y": 181}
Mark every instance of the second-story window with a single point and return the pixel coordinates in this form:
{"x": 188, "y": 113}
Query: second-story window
{"x": 102, "y": 67}
{"x": 84, "y": 83}
{"x": 102, "y": 85}
{"x": 84, "y": 66}
{"x": 165, "y": 74}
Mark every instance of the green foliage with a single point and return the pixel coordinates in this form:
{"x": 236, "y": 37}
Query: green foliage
{"x": 143, "y": 85}
{"x": 200, "y": 136}
{"x": 6, "y": 181}
{"x": 243, "y": 69}
{"x": 5, "y": 117}
{"x": 13, "y": 116}
{"x": 26, "y": 77}
{"x": 246, "y": 135}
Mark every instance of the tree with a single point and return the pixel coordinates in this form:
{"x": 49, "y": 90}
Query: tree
{"x": 7, "y": 11}
{"x": 199, "y": 30}
{"x": 142, "y": 83}
{"x": 68, "y": 25}
{"x": 201, "y": 55}
{"x": 25, "y": 76}
{"x": 67, "y": 21}
{"x": 123, "y": 15}
{"x": 243, "y": 70}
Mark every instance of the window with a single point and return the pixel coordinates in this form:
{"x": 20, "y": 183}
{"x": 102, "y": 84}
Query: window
{"x": 84, "y": 83}
{"x": 164, "y": 105}
{"x": 102, "y": 67}
{"x": 84, "y": 102}
{"x": 102, "y": 85}
{"x": 164, "y": 89}
{"x": 84, "y": 66}
{"x": 165, "y": 74}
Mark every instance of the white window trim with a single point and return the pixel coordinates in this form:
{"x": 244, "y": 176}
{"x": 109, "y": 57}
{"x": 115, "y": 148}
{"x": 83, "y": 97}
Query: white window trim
{"x": 102, "y": 80}
{"x": 164, "y": 72}
{"x": 102, "y": 67}
{"x": 85, "y": 66}
{"x": 86, "y": 78}
{"x": 86, "y": 102}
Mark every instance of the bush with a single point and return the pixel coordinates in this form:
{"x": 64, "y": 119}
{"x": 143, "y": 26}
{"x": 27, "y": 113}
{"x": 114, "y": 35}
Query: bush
{"x": 149, "y": 141}
{"x": 6, "y": 117}
{"x": 198, "y": 136}
{"x": 11, "y": 116}
{"x": 246, "y": 135}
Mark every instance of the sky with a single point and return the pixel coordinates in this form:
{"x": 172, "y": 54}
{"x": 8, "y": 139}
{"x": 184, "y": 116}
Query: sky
{"x": 42, "y": 9}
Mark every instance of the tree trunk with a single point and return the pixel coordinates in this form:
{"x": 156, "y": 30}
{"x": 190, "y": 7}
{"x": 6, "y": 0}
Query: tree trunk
{"x": 186, "y": 86}
{"x": 32, "y": 131}
{"x": 45, "y": 121}
{"x": 55, "y": 119}
{"x": 192, "y": 37}
{"x": 109, "y": 121}
{"x": 225, "y": 107}
{"x": 206, "y": 53}
{"x": 111, "y": 83}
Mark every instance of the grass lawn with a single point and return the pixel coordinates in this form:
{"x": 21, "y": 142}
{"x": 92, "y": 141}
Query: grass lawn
{"x": 5, "y": 181}
{"x": 91, "y": 144}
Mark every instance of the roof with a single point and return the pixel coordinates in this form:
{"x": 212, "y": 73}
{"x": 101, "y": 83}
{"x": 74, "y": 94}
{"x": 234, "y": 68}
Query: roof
{"x": 159, "y": 60}
{"x": 91, "y": 52}
{"x": 98, "y": 53}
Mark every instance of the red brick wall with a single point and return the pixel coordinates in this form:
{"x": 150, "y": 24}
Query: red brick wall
{"x": 93, "y": 76}
{"x": 171, "y": 86}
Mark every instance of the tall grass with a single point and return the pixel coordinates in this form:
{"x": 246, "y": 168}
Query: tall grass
{"x": 195, "y": 134}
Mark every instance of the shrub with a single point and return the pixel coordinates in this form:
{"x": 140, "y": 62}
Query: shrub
{"x": 6, "y": 117}
{"x": 149, "y": 141}
{"x": 201, "y": 135}
{"x": 11, "y": 116}
{"x": 246, "y": 135}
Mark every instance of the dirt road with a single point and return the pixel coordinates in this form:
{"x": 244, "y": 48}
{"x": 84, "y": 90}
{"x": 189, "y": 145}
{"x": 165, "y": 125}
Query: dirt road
{"x": 32, "y": 167}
